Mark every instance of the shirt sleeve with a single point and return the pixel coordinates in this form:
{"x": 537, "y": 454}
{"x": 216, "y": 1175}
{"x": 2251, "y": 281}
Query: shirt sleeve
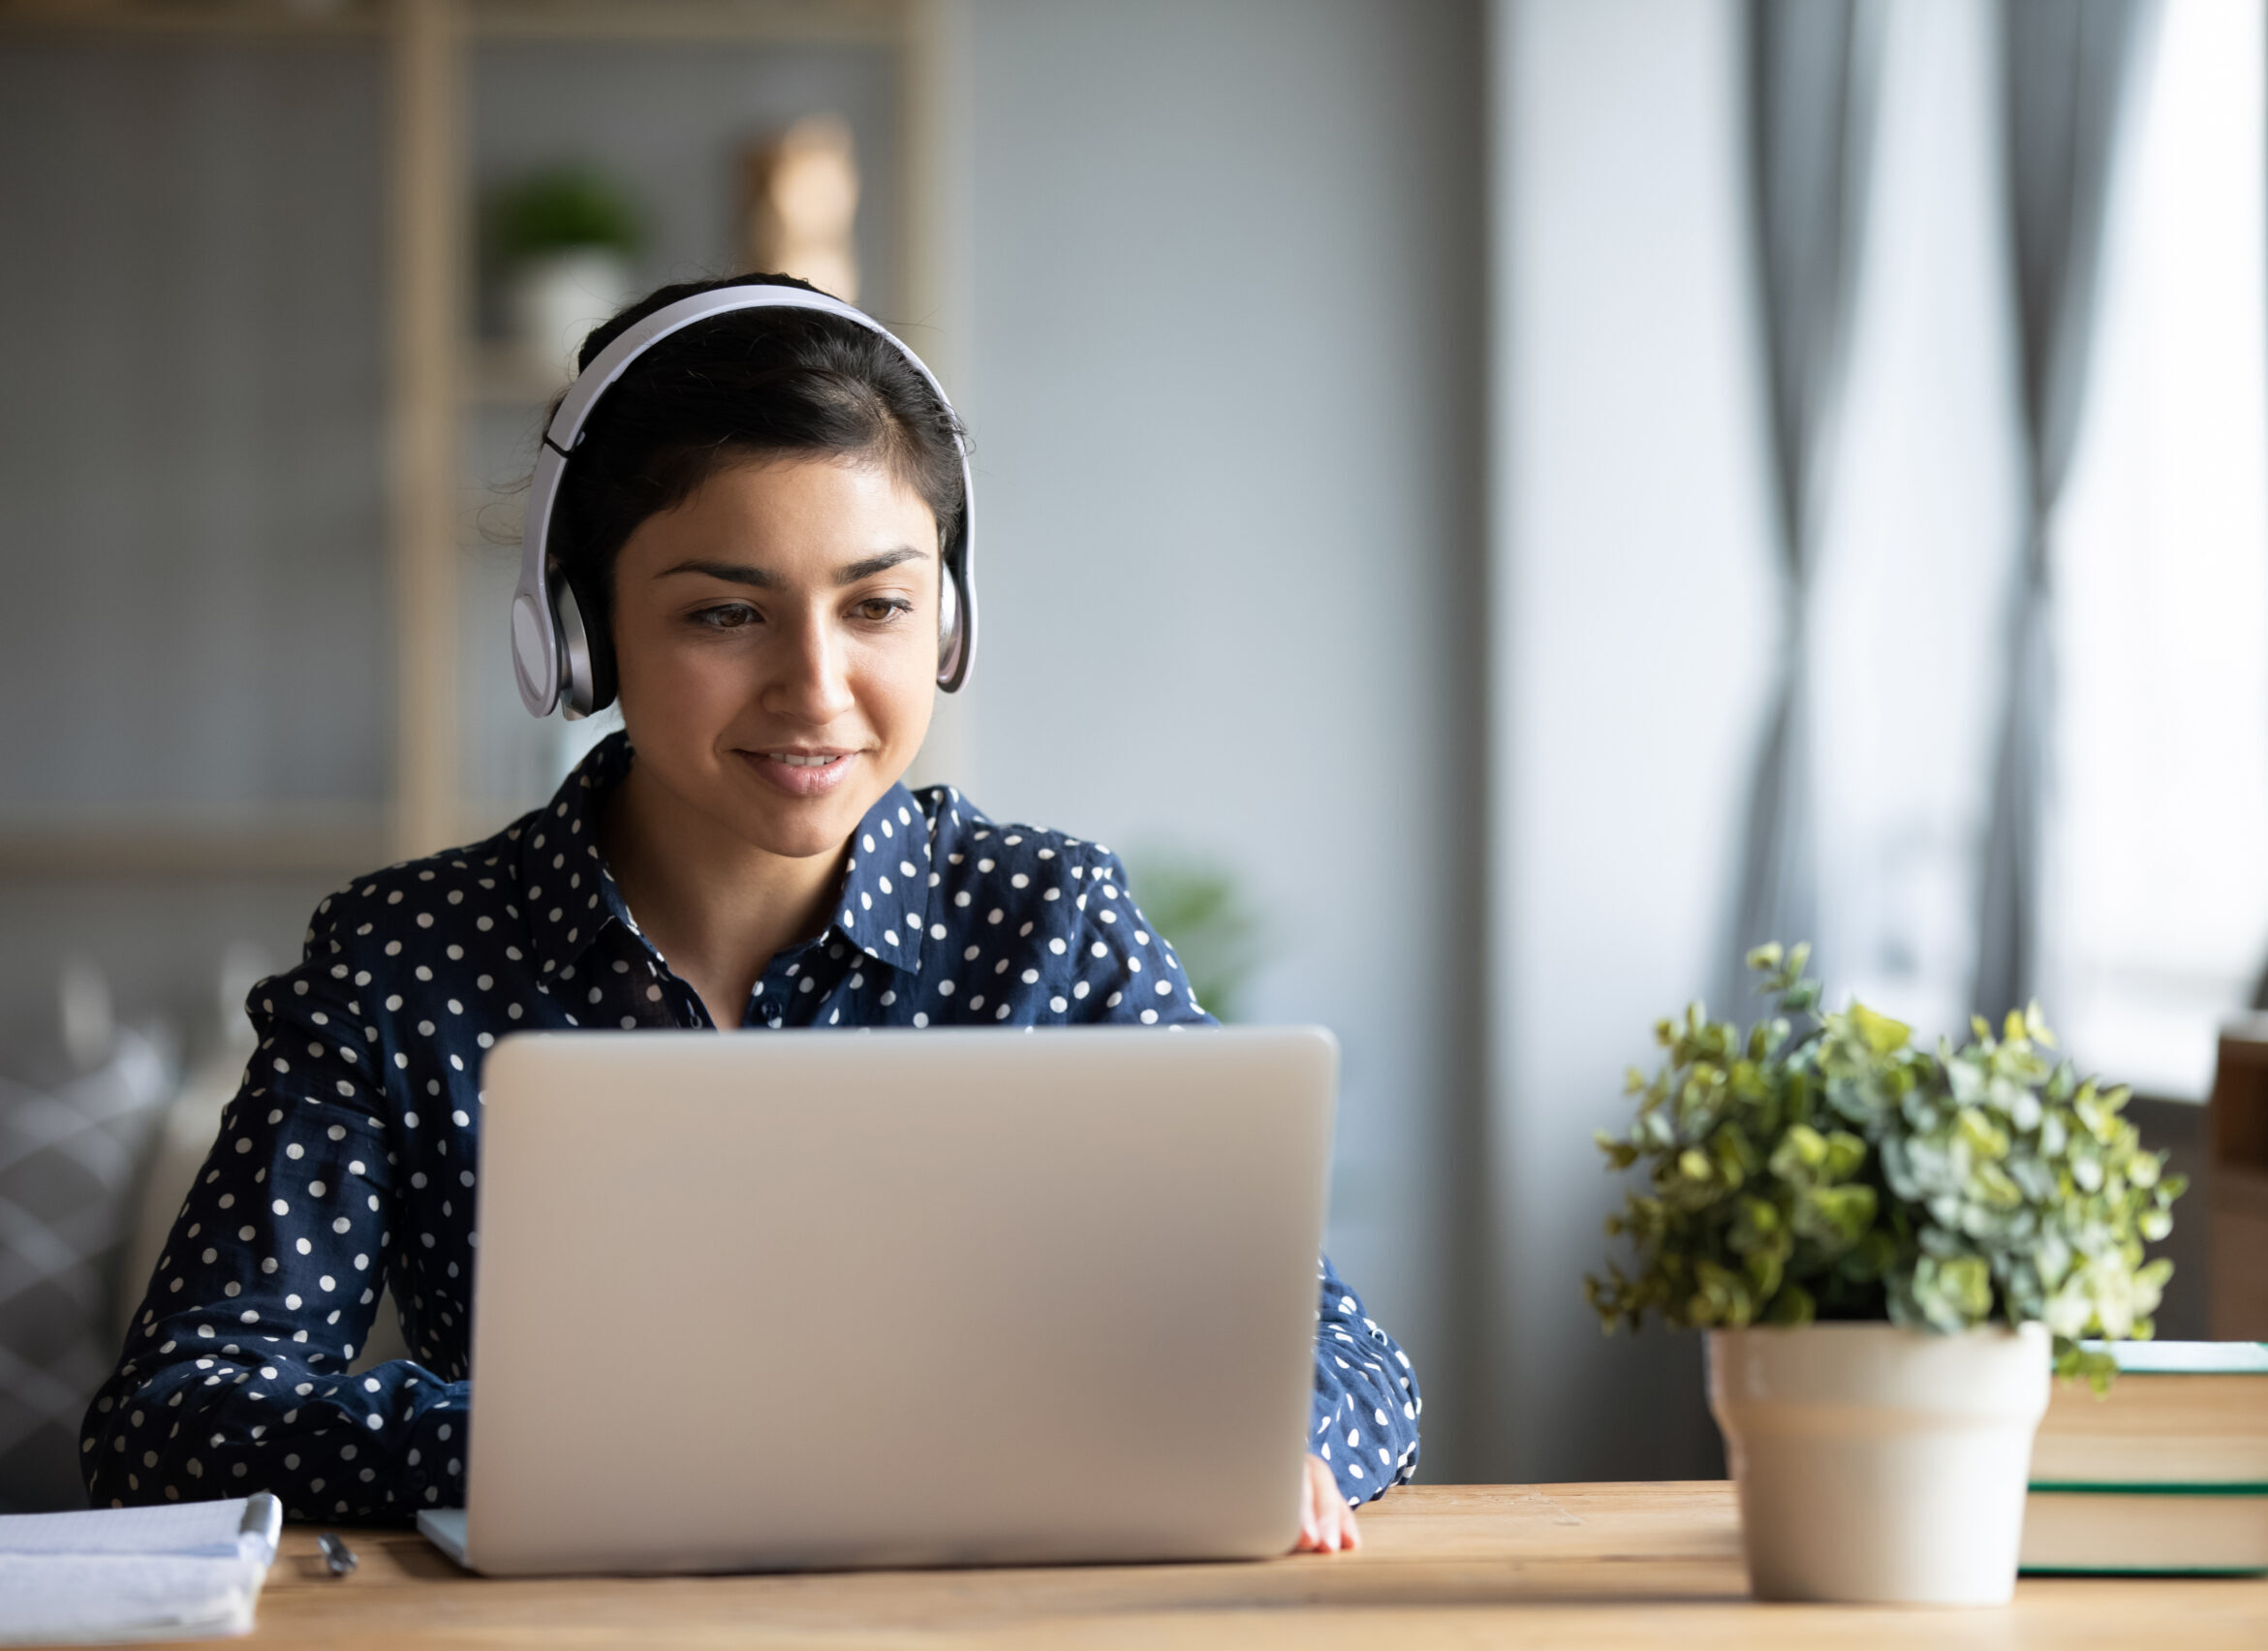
{"x": 1364, "y": 1418}
{"x": 1122, "y": 971}
{"x": 234, "y": 1376}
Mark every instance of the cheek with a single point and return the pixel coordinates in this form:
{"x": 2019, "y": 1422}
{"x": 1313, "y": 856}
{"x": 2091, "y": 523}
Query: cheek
{"x": 669, "y": 676}
{"x": 896, "y": 686}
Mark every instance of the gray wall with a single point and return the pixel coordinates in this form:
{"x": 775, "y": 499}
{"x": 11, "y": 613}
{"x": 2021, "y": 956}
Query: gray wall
{"x": 1226, "y": 378}
{"x": 1634, "y": 626}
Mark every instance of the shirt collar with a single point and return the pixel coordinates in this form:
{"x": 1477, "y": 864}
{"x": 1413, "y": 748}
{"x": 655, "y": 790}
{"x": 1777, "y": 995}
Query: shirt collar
{"x": 569, "y": 892}
{"x": 571, "y": 895}
{"x": 884, "y": 901}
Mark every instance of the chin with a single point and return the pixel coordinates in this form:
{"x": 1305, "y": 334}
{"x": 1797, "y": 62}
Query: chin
{"x": 795, "y": 828}
{"x": 801, "y": 834}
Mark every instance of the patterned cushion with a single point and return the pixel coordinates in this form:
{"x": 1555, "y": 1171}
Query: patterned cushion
{"x": 71, "y": 1156}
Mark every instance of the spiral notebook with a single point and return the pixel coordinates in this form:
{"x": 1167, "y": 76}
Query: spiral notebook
{"x": 188, "y": 1571}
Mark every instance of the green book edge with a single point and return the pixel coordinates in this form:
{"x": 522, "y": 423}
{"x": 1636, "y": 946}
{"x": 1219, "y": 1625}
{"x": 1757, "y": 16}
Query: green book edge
{"x": 2083, "y": 1488}
{"x": 2185, "y": 1358}
{"x": 2142, "y": 1571}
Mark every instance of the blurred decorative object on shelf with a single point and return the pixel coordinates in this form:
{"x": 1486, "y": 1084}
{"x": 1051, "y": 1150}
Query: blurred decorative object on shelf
{"x": 1958, "y": 1211}
{"x": 799, "y": 205}
{"x": 563, "y": 243}
{"x": 1197, "y": 907}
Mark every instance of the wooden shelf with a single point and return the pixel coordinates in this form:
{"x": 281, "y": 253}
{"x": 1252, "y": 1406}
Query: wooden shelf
{"x": 826, "y": 22}
{"x": 498, "y": 375}
{"x": 223, "y": 17}
{"x": 335, "y": 844}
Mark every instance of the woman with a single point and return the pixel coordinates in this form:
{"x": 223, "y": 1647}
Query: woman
{"x": 756, "y": 534}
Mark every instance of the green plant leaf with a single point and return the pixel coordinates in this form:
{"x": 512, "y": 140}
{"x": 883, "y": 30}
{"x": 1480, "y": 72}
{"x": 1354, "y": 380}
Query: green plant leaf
{"x": 1819, "y": 1165}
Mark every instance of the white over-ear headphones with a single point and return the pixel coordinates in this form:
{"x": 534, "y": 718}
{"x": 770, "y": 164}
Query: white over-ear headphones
{"x": 552, "y": 653}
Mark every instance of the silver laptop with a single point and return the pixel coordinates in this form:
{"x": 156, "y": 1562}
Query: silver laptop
{"x": 819, "y": 1299}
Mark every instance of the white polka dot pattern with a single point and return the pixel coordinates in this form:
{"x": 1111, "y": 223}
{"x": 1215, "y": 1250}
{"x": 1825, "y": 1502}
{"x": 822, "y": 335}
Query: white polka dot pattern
{"x": 351, "y": 1155}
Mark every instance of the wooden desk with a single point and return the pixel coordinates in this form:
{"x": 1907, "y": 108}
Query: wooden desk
{"x": 1599, "y": 1564}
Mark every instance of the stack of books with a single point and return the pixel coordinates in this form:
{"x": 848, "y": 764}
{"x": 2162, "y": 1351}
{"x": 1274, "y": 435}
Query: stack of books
{"x": 2165, "y": 1475}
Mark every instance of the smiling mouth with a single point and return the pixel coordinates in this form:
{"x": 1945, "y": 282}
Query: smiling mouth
{"x": 800, "y": 772}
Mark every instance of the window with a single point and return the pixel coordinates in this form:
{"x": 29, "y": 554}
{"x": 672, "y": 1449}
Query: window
{"x": 2157, "y": 874}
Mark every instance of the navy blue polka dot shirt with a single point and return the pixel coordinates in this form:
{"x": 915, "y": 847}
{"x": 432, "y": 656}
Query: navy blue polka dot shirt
{"x": 350, "y": 1156}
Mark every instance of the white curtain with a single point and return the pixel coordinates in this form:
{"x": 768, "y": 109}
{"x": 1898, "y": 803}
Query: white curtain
{"x": 2157, "y": 879}
{"x": 2066, "y": 69}
{"x": 1813, "y": 68}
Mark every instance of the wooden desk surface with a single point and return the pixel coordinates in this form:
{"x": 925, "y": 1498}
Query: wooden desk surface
{"x": 1569, "y": 1565}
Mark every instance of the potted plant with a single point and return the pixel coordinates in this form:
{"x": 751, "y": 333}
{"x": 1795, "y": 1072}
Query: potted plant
{"x": 1889, "y": 1247}
{"x": 561, "y": 241}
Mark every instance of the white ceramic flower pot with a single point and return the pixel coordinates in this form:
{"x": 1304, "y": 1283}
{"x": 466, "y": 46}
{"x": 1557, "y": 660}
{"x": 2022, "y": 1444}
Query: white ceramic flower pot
{"x": 553, "y": 299}
{"x": 1881, "y": 1464}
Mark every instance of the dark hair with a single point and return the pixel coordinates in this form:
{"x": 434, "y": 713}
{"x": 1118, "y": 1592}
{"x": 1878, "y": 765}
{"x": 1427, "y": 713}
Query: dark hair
{"x": 740, "y": 385}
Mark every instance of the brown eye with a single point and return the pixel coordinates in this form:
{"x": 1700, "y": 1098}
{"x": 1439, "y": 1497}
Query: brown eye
{"x": 730, "y": 616}
{"x": 882, "y": 610}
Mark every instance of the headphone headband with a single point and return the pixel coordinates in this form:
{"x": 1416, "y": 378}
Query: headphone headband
{"x": 552, "y": 653}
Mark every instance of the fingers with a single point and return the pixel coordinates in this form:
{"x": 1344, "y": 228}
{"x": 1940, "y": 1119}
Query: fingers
{"x": 1327, "y": 1523}
{"x": 1312, "y": 1510}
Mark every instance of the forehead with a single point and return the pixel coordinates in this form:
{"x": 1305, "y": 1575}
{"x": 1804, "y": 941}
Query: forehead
{"x": 791, "y": 506}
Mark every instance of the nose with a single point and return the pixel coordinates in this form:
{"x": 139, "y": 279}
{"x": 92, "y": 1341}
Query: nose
{"x": 810, "y": 682}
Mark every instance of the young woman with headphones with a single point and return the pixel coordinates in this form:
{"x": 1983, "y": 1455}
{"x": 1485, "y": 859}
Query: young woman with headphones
{"x": 751, "y": 522}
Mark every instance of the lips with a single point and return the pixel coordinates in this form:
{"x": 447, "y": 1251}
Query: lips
{"x": 802, "y": 771}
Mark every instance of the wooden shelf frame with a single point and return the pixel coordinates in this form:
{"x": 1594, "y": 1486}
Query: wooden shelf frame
{"x": 837, "y": 22}
{"x": 337, "y": 849}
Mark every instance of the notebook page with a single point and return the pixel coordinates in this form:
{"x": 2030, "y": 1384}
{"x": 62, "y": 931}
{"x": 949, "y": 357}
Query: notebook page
{"x": 179, "y": 1528}
{"x": 65, "y": 1597}
{"x": 168, "y": 1573}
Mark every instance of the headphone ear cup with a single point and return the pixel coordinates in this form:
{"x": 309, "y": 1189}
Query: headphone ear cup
{"x": 586, "y": 683}
{"x": 955, "y": 616}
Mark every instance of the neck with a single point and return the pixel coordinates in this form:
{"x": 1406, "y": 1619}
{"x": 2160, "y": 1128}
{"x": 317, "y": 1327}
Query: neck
{"x": 717, "y": 907}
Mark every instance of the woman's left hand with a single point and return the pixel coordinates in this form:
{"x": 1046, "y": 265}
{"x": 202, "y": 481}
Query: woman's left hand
{"x": 1327, "y": 1524}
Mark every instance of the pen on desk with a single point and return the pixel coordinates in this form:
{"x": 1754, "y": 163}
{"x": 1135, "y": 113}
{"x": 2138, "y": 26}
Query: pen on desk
{"x": 336, "y": 1555}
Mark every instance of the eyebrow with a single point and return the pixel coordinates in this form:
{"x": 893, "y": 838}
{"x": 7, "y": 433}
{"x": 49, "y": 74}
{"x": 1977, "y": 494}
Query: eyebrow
{"x": 764, "y": 579}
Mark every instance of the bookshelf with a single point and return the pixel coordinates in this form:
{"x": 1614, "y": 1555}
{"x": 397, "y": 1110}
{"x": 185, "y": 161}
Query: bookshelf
{"x": 454, "y": 405}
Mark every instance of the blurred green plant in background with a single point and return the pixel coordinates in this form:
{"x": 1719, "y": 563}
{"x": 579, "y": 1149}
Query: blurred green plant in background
{"x": 565, "y": 208}
{"x": 1195, "y": 904}
{"x": 1823, "y": 1167}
